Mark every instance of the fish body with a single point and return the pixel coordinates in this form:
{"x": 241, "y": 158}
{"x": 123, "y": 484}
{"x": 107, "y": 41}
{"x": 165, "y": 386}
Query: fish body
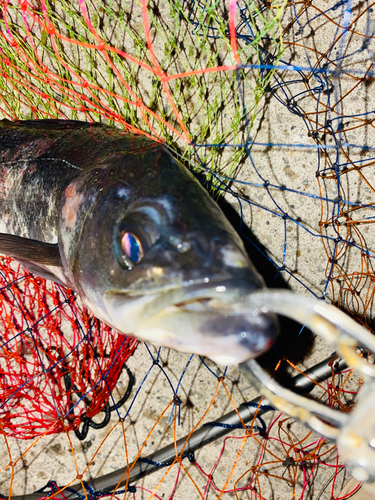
{"x": 117, "y": 218}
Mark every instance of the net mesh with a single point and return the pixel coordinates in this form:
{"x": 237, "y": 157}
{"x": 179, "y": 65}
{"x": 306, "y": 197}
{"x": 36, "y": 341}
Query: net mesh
{"x": 57, "y": 359}
{"x": 270, "y": 104}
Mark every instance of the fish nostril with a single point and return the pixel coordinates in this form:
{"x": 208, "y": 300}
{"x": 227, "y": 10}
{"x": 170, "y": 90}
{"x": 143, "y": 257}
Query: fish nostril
{"x": 183, "y": 247}
{"x": 204, "y": 247}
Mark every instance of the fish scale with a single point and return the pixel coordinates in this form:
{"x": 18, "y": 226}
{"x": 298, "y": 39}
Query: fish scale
{"x": 36, "y": 158}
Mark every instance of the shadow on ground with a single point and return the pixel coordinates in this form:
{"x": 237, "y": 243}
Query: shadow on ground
{"x": 289, "y": 344}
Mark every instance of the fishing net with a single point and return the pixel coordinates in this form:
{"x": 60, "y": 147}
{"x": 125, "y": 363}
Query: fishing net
{"x": 270, "y": 104}
{"x": 57, "y": 359}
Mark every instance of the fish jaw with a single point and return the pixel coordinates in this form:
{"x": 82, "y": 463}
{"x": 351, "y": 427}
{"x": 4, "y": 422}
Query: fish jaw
{"x": 216, "y": 322}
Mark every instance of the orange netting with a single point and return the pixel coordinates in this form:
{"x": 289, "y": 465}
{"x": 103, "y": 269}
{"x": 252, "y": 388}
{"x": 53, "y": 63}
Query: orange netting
{"x": 271, "y": 104}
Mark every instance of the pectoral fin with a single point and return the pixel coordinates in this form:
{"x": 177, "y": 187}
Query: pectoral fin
{"x": 24, "y": 249}
{"x": 39, "y": 271}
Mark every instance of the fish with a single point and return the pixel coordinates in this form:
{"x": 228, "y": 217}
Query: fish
{"x": 117, "y": 218}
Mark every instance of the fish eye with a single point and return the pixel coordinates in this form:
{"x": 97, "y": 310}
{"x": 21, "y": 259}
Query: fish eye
{"x": 132, "y": 247}
{"x": 137, "y": 233}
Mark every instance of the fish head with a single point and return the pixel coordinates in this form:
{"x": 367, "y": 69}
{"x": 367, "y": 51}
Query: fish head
{"x": 156, "y": 258}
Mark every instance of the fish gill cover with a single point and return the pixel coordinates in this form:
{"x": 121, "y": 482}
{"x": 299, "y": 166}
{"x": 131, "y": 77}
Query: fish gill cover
{"x": 270, "y": 104}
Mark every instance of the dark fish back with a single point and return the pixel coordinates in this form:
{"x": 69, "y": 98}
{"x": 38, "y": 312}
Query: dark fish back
{"x": 39, "y": 158}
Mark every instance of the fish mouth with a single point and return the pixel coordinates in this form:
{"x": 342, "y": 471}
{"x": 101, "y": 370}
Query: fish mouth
{"x": 216, "y": 321}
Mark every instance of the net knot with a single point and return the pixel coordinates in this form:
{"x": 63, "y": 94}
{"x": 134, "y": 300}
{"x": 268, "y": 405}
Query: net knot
{"x": 319, "y": 88}
{"x": 313, "y": 133}
{"x": 176, "y": 400}
{"x": 289, "y": 462}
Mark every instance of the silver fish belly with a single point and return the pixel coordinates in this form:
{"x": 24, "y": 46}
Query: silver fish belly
{"x": 118, "y": 219}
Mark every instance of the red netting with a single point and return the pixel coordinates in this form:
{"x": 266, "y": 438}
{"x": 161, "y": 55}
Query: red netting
{"x": 57, "y": 361}
{"x": 194, "y": 74}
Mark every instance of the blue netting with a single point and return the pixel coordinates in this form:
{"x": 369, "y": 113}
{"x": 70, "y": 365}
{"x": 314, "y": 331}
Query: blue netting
{"x": 302, "y": 182}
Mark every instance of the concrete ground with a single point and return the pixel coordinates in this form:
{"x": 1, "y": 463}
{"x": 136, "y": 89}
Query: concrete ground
{"x": 294, "y": 242}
